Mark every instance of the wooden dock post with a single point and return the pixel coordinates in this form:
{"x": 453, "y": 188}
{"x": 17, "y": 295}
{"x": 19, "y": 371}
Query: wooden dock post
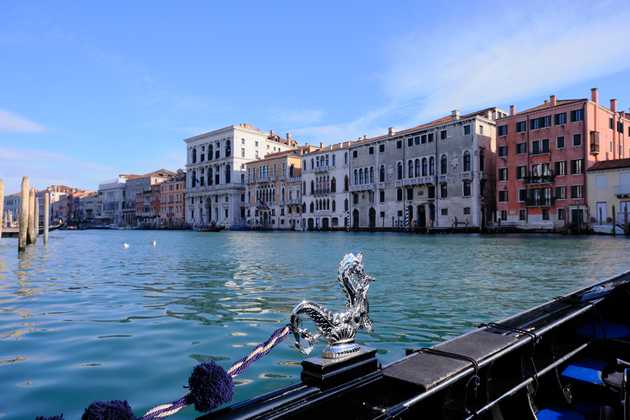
{"x": 2, "y": 221}
{"x": 36, "y": 217}
{"x": 30, "y": 237}
{"x": 614, "y": 230}
{"x": 23, "y": 218}
{"x": 46, "y": 215}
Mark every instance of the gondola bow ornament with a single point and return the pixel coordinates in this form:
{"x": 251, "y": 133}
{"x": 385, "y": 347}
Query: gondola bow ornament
{"x": 339, "y": 328}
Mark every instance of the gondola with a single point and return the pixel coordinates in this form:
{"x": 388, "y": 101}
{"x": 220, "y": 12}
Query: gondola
{"x": 566, "y": 359}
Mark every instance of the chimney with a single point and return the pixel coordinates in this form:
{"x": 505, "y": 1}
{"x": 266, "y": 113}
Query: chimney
{"x": 594, "y": 95}
{"x": 553, "y": 100}
{"x": 364, "y": 136}
{"x": 289, "y": 136}
{"x": 321, "y": 145}
{"x": 512, "y": 110}
{"x": 390, "y": 131}
{"x": 455, "y": 114}
{"x": 270, "y": 133}
{"x": 613, "y": 105}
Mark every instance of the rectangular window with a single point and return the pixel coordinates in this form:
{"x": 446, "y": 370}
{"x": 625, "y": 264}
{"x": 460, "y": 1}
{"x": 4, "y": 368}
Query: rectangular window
{"x": 577, "y": 191}
{"x": 577, "y": 166}
{"x": 423, "y": 139}
{"x": 443, "y": 135}
{"x": 560, "y": 193}
{"x": 444, "y": 212}
{"x": 399, "y": 194}
{"x": 560, "y": 167}
{"x": 620, "y": 127}
{"x": 536, "y": 147}
{"x": 467, "y": 188}
{"x": 430, "y": 138}
{"x": 577, "y": 139}
{"x": 443, "y": 190}
{"x": 354, "y": 155}
{"x": 560, "y": 119}
{"x": 416, "y": 140}
{"x": 521, "y": 148}
{"x": 381, "y": 196}
{"x": 502, "y": 130}
{"x": 503, "y": 214}
{"x": 242, "y": 152}
{"x": 503, "y": 151}
{"x": 409, "y": 193}
{"x": 611, "y": 123}
{"x": 522, "y": 214}
{"x": 577, "y": 115}
{"x": 545, "y": 214}
{"x": 521, "y": 126}
{"x": 399, "y": 144}
{"x": 561, "y": 215}
{"x": 466, "y": 210}
{"x": 371, "y": 150}
{"x": 560, "y": 142}
{"x": 521, "y": 172}
{"x": 410, "y": 141}
{"x": 467, "y": 130}
{"x": 503, "y": 174}
{"x": 522, "y": 195}
{"x": 544, "y": 146}
{"x": 540, "y": 122}
{"x": 381, "y": 148}
{"x": 503, "y": 196}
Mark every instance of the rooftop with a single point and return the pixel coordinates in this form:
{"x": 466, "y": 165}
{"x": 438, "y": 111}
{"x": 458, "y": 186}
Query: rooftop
{"x": 610, "y": 164}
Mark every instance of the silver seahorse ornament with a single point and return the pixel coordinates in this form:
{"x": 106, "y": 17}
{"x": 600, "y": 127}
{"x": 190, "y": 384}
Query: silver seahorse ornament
{"x": 340, "y": 328}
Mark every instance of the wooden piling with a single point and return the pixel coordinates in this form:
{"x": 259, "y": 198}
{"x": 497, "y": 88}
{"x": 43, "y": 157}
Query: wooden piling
{"x": 36, "y": 211}
{"x": 24, "y": 209}
{"x": 30, "y": 237}
{"x": 2, "y": 221}
{"x": 614, "y": 217}
{"x": 46, "y": 215}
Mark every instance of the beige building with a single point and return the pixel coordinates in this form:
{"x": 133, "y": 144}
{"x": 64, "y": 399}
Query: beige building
{"x": 608, "y": 192}
{"x": 172, "y": 201}
{"x": 274, "y": 190}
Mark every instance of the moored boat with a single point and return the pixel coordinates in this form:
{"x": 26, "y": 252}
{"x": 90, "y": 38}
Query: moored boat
{"x": 568, "y": 358}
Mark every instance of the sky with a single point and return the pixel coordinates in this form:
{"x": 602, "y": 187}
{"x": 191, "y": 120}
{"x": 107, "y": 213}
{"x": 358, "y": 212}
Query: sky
{"x": 89, "y": 90}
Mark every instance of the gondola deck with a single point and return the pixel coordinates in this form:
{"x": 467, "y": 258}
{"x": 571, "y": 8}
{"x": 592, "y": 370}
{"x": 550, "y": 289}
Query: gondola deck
{"x": 564, "y": 359}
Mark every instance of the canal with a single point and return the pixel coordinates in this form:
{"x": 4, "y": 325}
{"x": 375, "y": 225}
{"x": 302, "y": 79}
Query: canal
{"x": 87, "y": 319}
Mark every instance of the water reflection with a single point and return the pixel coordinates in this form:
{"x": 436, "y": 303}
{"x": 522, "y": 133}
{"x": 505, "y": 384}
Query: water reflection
{"x": 83, "y": 319}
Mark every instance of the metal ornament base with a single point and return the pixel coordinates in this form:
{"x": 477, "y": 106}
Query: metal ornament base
{"x": 339, "y": 351}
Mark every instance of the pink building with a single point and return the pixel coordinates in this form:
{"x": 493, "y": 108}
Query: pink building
{"x": 542, "y": 157}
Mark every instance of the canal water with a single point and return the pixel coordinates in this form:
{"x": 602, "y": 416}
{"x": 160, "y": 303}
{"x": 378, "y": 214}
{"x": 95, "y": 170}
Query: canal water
{"x": 86, "y": 319}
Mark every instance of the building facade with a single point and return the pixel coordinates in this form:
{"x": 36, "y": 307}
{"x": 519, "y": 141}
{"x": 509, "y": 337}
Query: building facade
{"x": 432, "y": 176}
{"x": 543, "y": 154}
{"x": 12, "y": 205}
{"x": 136, "y": 186}
{"x": 90, "y": 209}
{"x": 608, "y": 186}
{"x": 325, "y": 188}
{"x": 173, "y": 201}
{"x": 215, "y": 185}
{"x": 274, "y": 191}
{"x": 112, "y": 195}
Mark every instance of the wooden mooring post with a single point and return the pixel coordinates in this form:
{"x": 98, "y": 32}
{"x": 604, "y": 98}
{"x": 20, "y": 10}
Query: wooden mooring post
{"x": 36, "y": 216}
{"x": 24, "y": 210}
{"x": 30, "y": 237}
{"x": 46, "y": 215}
{"x": 2, "y": 221}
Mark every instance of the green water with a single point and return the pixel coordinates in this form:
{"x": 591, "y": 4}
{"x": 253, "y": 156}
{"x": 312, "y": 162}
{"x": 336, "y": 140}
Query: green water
{"x": 85, "y": 319}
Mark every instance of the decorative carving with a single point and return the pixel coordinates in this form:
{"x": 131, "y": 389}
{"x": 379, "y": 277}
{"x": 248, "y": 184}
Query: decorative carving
{"x": 338, "y": 329}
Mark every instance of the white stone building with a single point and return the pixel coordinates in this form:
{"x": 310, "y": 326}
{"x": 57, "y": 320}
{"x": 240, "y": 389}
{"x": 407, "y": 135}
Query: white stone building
{"x": 215, "y": 167}
{"x": 325, "y": 188}
{"x": 112, "y": 198}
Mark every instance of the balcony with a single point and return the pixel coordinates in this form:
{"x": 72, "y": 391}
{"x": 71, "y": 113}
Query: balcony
{"x": 321, "y": 191}
{"x": 539, "y": 179}
{"x": 362, "y": 187}
{"x": 622, "y": 191}
{"x": 407, "y": 182}
{"x": 294, "y": 200}
{"x": 321, "y": 168}
{"x": 539, "y": 202}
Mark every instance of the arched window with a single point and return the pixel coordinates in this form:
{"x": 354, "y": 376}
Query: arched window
{"x": 431, "y": 166}
{"x": 228, "y": 174}
{"x": 345, "y": 183}
{"x": 210, "y": 175}
{"x": 443, "y": 165}
{"x": 312, "y": 187}
{"x": 365, "y": 175}
{"x": 400, "y": 170}
{"x": 210, "y": 152}
{"x": 228, "y": 148}
{"x": 312, "y": 163}
{"x": 312, "y": 207}
{"x": 399, "y": 194}
{"x": 381, "y": 174}
{"x": 333, "y": 184}
{"x": 303, "y": 207}
{"x": 282, "y": 197}
{"x": 372, "y": 174}
{"x": 356, "y": 177}
{"x": 292, "y": 171}
{"x": 333, "y": 202}
{"x": 482, "y": 162}
{"x": 360, "y": 176}
{"x": 466, "y": 161}
{"x": 303, "y": 187}
{"x": 410, "y": 169}
{"x": 424, "y": 166}
{"x": 417, "y": 168}
{"x": 345, "y": 204}
{"x": 194, "y": 155}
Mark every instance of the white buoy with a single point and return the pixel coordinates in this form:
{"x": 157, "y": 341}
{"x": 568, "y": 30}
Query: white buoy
{"x": 154, "y": 243}
{"x": 125, "y": 245}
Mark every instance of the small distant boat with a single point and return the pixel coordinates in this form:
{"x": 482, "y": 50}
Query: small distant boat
{"x": 208, "y": 228}
{"x": 566, "y": 359}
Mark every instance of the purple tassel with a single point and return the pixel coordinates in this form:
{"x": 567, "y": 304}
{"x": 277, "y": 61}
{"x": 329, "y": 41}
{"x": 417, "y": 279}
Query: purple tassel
{"x": 210, "y": 386}
{"x": 108, "y": 410}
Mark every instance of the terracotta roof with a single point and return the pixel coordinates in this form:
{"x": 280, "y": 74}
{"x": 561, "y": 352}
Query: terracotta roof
{"x": 610, "y": 164}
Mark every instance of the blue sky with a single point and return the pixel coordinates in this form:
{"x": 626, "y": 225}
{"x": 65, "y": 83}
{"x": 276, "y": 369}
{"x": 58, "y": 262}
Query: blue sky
{"x": 89, "y": 90}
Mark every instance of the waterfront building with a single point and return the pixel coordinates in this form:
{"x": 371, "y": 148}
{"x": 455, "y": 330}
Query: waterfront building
{"x": 608, "y": 186}
{"x": 325, "y": 187}
{"x": 172, "y": 201}
{"x": 112, "y": 197}
{"x": 12, "y": 205}
{"x": 543, "y": 154}
{"x": 56, "y": 193}
{"x": 135, "y": 188}
{"x": 89, "y": 208}
{"x": 274, "y": 190}
{"x": 433, "y": 176}
{"x": 215, "y": 185}
{"x": 67, "y": 208}
{"x": 148, "y": 207}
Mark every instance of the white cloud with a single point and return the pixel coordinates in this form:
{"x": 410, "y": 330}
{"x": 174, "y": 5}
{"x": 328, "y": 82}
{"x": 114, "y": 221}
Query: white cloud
{"x": 490, "y": 59}
{"x": 13, "y": 123}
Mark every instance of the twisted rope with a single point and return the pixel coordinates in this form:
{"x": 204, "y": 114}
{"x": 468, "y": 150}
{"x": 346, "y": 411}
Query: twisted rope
{"x": 168, "y": 409}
